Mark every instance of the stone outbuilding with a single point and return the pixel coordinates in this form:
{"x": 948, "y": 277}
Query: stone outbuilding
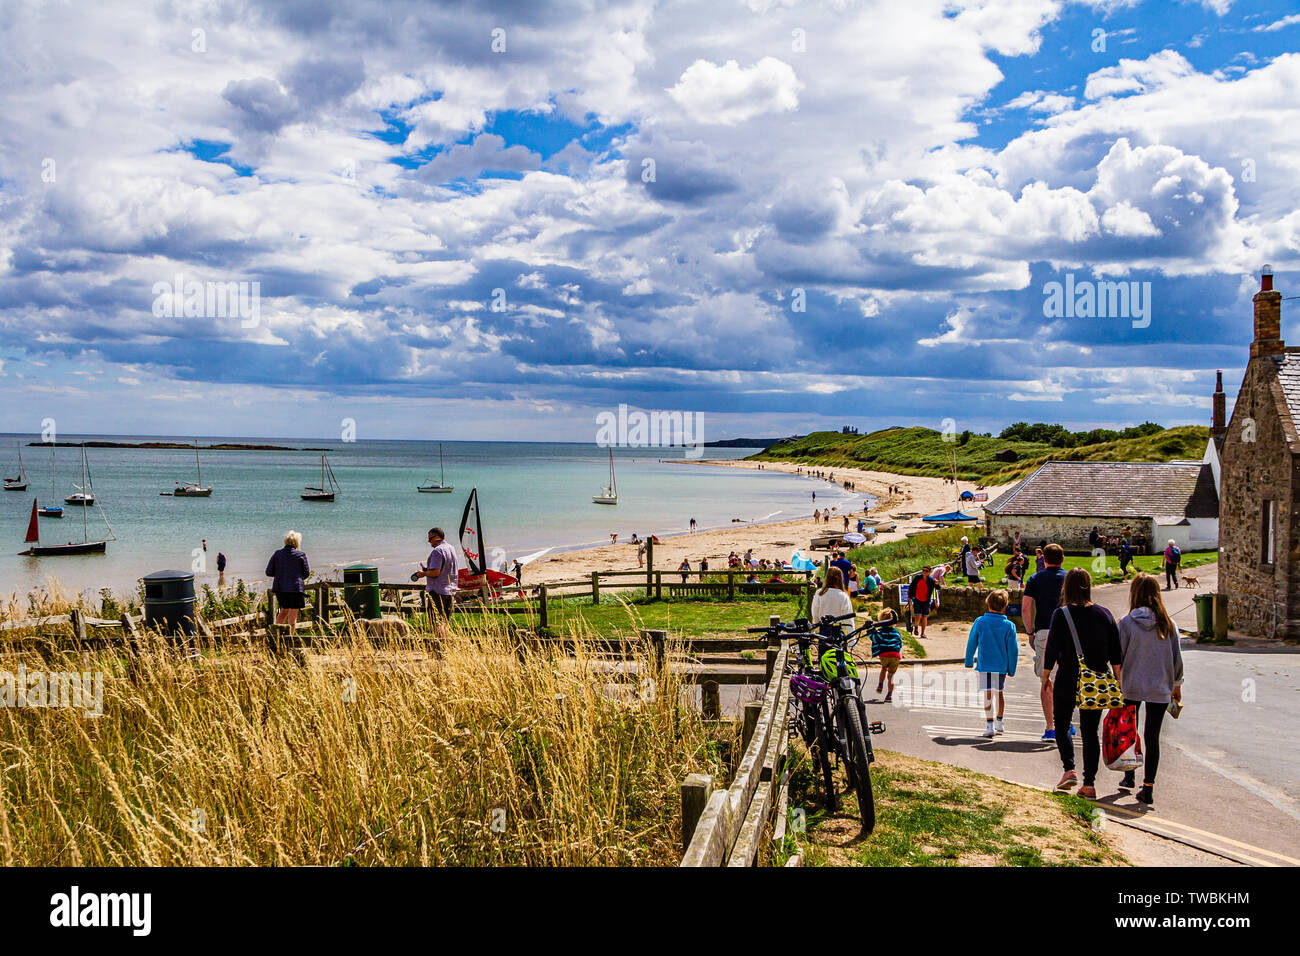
{"x": 1259, "y": 555}
{"x": 1063, "y": 501}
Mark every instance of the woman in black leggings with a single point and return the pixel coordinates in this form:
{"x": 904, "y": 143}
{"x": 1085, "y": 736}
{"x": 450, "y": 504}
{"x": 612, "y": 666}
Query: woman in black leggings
{"x": 1152, "y": 669}
{"x": 1099, "y": 641}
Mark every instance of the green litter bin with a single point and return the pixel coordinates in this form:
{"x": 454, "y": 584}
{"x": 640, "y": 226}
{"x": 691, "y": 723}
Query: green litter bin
{"x": 361, "y": 590}
{"x": 1204, "y": 614}
{"x": 169, "y": 601}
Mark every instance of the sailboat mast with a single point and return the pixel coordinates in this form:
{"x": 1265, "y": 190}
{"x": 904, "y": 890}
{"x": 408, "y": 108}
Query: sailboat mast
{"x": 442, "y": 472}
{"x": 197, "y": 466}
{"x": 85, "y": 525}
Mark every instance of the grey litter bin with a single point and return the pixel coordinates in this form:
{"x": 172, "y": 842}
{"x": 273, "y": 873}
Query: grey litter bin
{"x": 169, "y": 602}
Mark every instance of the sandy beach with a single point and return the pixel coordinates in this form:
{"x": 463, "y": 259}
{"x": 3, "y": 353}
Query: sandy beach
{"x": 776, "y": 540}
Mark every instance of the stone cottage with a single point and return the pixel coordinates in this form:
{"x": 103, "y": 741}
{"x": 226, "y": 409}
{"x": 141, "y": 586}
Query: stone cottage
{"x": 1063, "y": 501}
{"x": 1259, "y": 450}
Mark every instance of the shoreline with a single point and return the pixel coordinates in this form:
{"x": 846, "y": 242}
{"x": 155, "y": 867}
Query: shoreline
{"x": 774, "y": 539}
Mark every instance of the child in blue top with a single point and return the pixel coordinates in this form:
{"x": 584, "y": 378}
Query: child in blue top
{"x": 992, "y": 643}
{"x": 887, "y": 647}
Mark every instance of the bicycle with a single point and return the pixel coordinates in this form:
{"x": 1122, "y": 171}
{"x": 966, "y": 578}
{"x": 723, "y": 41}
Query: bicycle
{"x": 829, "y": 713}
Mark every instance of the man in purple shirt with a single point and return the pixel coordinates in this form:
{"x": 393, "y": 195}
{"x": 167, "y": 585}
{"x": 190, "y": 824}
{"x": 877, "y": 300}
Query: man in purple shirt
{"x": 439, "y": 573}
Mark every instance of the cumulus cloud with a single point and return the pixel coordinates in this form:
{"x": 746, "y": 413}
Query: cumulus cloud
{"x": 730, "y": 94}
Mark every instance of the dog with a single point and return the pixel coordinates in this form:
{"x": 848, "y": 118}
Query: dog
{"x": 1191, "y": 580}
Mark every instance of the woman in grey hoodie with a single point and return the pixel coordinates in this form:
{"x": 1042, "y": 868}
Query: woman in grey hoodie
{"x": 1152, "y": 670}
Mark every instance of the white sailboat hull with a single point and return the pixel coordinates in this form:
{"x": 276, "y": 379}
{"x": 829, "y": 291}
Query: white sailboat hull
{"x": 436, "y": 489}
{"x": 603, "y": 500}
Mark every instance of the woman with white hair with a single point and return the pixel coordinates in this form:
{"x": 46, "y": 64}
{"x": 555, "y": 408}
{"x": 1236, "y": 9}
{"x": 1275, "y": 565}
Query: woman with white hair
{"x": 289, "y": 569}
{"x": 1173, "y": 558}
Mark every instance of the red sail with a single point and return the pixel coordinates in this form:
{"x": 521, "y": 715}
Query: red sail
{"x": 33, "y": 528}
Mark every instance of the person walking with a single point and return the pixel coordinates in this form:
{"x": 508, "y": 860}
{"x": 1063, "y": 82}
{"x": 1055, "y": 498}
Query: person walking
{"x": 991, "y": 649}
{"x": 971, "y": 565}
{"x": 692, "y": 526}
{"x": 1125, "y": 553}
{"x": 685, "y": 568}
{"x": 921, "y": 592}
{"x": 1041, "y": 598}
{"x": 832, "y": 600}
{"x": 221, "y": 562}
{"x": 519, "y": 572}
{"x": 1039, "y": 562}
{"x": 288, "y": 569}
{"x": 887, "y": 647}
{"x": 1173, "y": 558}
{"x": 439, "y": 573}
{"x": 1152, "y": 669}
{"x": 1079, "y": 629}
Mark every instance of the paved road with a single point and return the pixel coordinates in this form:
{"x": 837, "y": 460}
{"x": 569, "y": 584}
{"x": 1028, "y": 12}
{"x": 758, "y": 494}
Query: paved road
{"x": 1229, "y": 771}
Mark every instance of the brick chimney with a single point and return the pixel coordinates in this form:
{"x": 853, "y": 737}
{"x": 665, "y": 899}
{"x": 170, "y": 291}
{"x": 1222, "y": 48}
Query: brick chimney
{"x": 1218, "y": 423}
{"x": 1268, "y": 318}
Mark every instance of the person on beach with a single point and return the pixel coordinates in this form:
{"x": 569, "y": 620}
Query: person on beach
{"x": 439, "y": 572}
{"x": 288, "y": 570}
{"x": 613, "y": 537}
{"x": 692, "y": 526}
{"x": 887, "y": 647}
{"x": 921, "y": 592}
{"x": 817, "y": 515}
{"x": 221, "y": 562}
{"x": 640, "y": 555}
{"x": 704, "y": 566}
{"x": 831, "y": 600}
{"x": 1173, "y": 558}
{"x": 992, "y": 649}
{"x": 1152, "y": 665}
{"x": 846, "y": 524}
{"x": 1041, "y": 598}
{"x": 1099, "y": 641}
{"x": 685, "y": 568}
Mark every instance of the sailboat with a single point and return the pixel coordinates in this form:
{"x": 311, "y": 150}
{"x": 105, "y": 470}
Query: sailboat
{"x": 328, "y": 486}
{"x": 51, "y": 511}
{"x": 609, "y": 494}
{"x": 193, "y": 489}
{"x": 84, "y": 546}
{"x": 19, "y": 483}
{"x": 84, "y": 496}
{"x": 476, "y": 573}
{"x": 440, "y": 486}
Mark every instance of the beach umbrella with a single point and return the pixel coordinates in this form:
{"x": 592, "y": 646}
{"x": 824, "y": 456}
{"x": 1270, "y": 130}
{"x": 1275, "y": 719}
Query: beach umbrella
{"x": 854, "y": 538}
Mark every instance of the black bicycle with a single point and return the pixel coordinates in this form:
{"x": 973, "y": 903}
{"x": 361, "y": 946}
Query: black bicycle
{"x": 828, "y": 713}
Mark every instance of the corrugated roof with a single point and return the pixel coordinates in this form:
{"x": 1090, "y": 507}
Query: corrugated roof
{"x": 1113, "y": 489}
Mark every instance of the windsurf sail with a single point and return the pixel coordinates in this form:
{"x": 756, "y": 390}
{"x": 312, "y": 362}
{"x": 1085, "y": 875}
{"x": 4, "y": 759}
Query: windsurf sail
{"x": 33, "y": 526}
{"x": 471, "y": 535}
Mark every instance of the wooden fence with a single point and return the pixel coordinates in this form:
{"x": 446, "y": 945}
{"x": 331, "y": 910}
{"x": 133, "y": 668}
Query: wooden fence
{"x": 727, "y": 827}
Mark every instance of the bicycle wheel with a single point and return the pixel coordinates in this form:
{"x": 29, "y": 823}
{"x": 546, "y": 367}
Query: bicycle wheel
{"x": 823, "y": 758}
{"x": 860, "y": 761}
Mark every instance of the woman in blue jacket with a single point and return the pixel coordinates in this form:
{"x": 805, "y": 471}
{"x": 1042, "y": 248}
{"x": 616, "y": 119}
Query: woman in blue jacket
{"x": 289, "y": 569}
{"x": 992, "y": 650}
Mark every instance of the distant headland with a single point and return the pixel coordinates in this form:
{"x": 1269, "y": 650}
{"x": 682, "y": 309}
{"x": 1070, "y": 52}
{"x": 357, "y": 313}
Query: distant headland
{"x": 219, "y": 446}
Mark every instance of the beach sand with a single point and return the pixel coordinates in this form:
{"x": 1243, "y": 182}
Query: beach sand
{"x": 777, "y": 540}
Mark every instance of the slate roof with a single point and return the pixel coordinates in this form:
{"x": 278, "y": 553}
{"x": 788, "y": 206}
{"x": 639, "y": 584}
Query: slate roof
{"x": 1288, "y": 376}
{"x": 1113, "y": 489}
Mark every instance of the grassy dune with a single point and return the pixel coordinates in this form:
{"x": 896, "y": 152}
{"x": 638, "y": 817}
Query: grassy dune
{"x": 245, "y": 757}
{"x": 922, "y": 451}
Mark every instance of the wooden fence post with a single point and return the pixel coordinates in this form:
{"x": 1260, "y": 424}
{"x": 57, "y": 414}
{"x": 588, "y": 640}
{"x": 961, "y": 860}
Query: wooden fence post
{"x": 270, "y": 610}
{"x": 658, "y": 651}
{"x": 731, "y": 585}
{"x": 542, "y": 606}
{"x": 649, "y": 566}
{"x": 696, "y": 790}
{"x": 752, "y": 711}
{"x": 659, "y": 585}
{"x": 595, "y": 587}
{"x": 711, "y": 700}
{"x": 78, "y": 621}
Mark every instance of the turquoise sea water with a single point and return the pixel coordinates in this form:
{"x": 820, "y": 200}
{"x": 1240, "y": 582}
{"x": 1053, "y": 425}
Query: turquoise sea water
{"x": 532, "y": 496}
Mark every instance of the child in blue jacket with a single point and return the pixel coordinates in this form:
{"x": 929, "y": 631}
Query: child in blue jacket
{"x": 992, "y": 649}
{"x": 887, "y": 647}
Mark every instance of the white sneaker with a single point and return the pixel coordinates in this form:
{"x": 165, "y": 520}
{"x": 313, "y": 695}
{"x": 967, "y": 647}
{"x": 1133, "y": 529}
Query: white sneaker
{"x": 998, "y": 728}
{"x": 989, "y": 731}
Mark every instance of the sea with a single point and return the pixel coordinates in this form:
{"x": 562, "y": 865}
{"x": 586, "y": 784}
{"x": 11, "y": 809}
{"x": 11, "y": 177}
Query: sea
{"x": 532, "y": 496}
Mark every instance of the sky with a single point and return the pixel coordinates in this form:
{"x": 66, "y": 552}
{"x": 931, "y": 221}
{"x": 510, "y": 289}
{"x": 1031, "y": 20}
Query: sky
{"x": 481, "y": 219}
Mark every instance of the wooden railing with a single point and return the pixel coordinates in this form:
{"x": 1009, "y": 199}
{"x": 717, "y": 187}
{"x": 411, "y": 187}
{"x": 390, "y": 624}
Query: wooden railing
{"x": 727, "y": 827}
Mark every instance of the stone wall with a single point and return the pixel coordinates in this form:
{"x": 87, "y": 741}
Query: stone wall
{"x": 957, "y": 603}
{"x": 1070, "y": 533}
{"x": 1261, "y": 597}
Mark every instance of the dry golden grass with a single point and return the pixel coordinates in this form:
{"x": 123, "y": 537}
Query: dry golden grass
{"x": 244, "y": 757}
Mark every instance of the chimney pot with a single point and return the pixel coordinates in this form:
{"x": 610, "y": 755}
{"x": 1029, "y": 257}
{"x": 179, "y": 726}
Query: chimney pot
{"x": 1266, "y": 279}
